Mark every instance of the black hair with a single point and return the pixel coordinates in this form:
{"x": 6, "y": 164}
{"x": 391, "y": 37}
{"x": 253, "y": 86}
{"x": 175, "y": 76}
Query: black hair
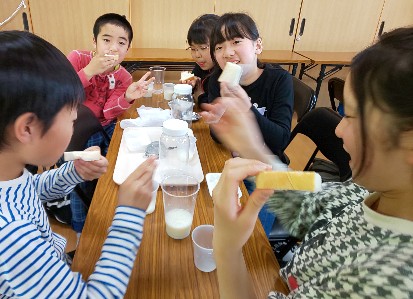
{"x": 200, "y": 30}
{"x": 230, "y": 26}
{"x": 114, "y": 19}
{"x": 383, "y": 76}
{"x": 34, "y": 77}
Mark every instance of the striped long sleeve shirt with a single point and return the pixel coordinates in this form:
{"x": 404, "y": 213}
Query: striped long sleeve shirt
{"x": 32, "y": 259}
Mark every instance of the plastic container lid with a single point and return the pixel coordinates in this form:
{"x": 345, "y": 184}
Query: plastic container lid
{"x": 183, "y": 89}
{"x": 175, "y": 127}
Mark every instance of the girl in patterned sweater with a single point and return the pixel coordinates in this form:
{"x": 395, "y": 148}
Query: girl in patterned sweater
{"x": 39, "y": 94}
{"x": 355, "y": 243}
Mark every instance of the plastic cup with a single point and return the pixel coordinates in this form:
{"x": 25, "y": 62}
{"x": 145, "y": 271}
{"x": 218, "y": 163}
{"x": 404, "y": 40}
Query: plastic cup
{"x": 152, "y": 204}
{"x": 179, "y": 197}
{"x": 203, "y": 251}
{"x": 159, "y": 73}
{"x": 168, "y": 91}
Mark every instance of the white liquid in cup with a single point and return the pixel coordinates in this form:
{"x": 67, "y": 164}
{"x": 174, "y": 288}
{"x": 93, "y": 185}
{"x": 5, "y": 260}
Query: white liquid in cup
{"x": 167, "y": 95}
{"x": 178, "y": 223}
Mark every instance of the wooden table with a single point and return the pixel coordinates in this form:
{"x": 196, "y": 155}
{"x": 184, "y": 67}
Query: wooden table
{"x": 164, "y": 267}
{"x": 283, "y": 57}
{"x": 335, "y": 60}
{"x": 180, "y": 59}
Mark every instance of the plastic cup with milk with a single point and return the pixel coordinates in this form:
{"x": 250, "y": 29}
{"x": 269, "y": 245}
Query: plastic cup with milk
{"x": 179, "y": 193}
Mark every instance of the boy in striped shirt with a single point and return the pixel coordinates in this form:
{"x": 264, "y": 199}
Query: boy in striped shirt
{"x": 39, "y": 94}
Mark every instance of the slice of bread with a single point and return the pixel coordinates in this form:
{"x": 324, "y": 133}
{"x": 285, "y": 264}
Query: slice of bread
{"x": 84, "y": 155}
{"x": 185, "y": 76}
{"x": 289, "y": 180}
{"x": 231, "y": 74}
{"x": 115, "y": 56}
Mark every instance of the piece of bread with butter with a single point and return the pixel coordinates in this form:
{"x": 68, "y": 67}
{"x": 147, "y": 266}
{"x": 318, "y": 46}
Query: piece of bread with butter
{"x": 231, "y": 74}
{"x": 185, "y": 76}
{"x": 115, "y": 56}
{"x": 289, "y": 180}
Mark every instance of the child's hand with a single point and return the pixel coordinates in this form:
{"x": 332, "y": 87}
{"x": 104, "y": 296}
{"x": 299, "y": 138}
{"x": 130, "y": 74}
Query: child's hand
{"x": 234, "y": 223}
{"x": 99, "y": 64}
{"x": 92, "y": 169}
{"x": 193, "y": 82}
{"x": 136, "y": 191}
{"x": 138, "y": 89}
{"x": 236, "y": 91}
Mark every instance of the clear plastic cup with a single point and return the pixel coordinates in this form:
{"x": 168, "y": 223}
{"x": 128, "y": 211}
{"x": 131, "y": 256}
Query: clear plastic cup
{"x": 179, "y": 197}
{"x": 152, "y": 204}
{"x": 203, "y": 251}
{"x": 159, "y": 73}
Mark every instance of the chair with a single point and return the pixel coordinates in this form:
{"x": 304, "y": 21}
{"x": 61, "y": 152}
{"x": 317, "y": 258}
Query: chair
{"x": 304, "y": 101}
{"x": 319, "y": 125}
{"x": 84, "y": 127}
{"x": 335, "y": 91}
{"x": 304, "y": 98}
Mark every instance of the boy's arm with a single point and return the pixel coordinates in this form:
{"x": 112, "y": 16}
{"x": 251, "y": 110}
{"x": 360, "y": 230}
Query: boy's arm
{"x": 30, "y": 267}
{"x": 79, "y": 61}
{"x": 56, "y": 183}
{"x": 117, "y": 103}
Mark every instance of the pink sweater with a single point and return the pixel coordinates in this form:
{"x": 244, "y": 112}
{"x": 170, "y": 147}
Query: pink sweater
{"x": 106, "y": 99}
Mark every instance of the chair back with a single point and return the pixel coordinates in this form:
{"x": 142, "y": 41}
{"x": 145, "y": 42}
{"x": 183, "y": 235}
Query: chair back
{"x": 335, "y": 91}
{"x": 304, "y": 98}
{"x": 84, "y": 127}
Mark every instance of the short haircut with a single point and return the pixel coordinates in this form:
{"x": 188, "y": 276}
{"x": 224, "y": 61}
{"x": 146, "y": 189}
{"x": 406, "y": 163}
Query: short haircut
{"x": 113, "y": 19}
{"x": 34, "y": 77}
{"x": 200, "y": 30}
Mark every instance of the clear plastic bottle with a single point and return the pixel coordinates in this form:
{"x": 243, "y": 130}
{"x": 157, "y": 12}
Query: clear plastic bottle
{"x": 182, "y": 103}
{"x": 174, "y": 146}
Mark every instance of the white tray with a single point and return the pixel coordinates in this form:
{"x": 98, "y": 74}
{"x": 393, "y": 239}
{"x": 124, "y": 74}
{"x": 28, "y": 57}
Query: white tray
{"x": 127, "y": 161}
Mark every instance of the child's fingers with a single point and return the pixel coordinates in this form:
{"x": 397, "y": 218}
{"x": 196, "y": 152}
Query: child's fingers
{"x": 144, "y": 171}
{"x": 144, "y": 77}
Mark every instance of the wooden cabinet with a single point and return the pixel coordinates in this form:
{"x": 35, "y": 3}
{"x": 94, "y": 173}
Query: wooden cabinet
{"x": 336, "y": 25}
{"x": 327, "y": 25}
{"x": 396, "y": 13}
{"x": 165, "y": 23}
{"x": 17, "y": 22}
{"x": 276, "y": 19}
{"x": 68, "y": 24}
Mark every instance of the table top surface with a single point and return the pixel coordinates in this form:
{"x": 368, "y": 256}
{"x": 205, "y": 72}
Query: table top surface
{"x": 328, "y": 57}
{"x": 164, "y": 267}
{"x": 182, "y": 55}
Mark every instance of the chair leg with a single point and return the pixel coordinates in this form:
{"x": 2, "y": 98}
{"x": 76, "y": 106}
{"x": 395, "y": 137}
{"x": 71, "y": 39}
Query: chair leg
{"x": 311, "y": 159}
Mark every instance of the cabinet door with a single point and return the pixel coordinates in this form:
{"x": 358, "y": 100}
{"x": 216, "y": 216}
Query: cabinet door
{"x": 396, "y": 13}
{"x": 68, "y": 24}
{"x": 165, "y": 23}
{"x": 336, "y": 25}
{"x": 276, "y": 19}
{"x": 17, "y": 22}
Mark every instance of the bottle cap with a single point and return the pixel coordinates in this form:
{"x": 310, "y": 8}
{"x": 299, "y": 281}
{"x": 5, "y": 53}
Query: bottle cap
{"x": 183, "y": 89}
{"x": 175, "y": 127}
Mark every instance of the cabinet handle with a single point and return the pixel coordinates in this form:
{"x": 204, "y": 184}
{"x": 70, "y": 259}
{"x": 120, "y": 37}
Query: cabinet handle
{"x": 302, "y": 27}
{"x": 25, "y": 22}
{"x": 292, "y": 26}
{"x": 381, "y": 28}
